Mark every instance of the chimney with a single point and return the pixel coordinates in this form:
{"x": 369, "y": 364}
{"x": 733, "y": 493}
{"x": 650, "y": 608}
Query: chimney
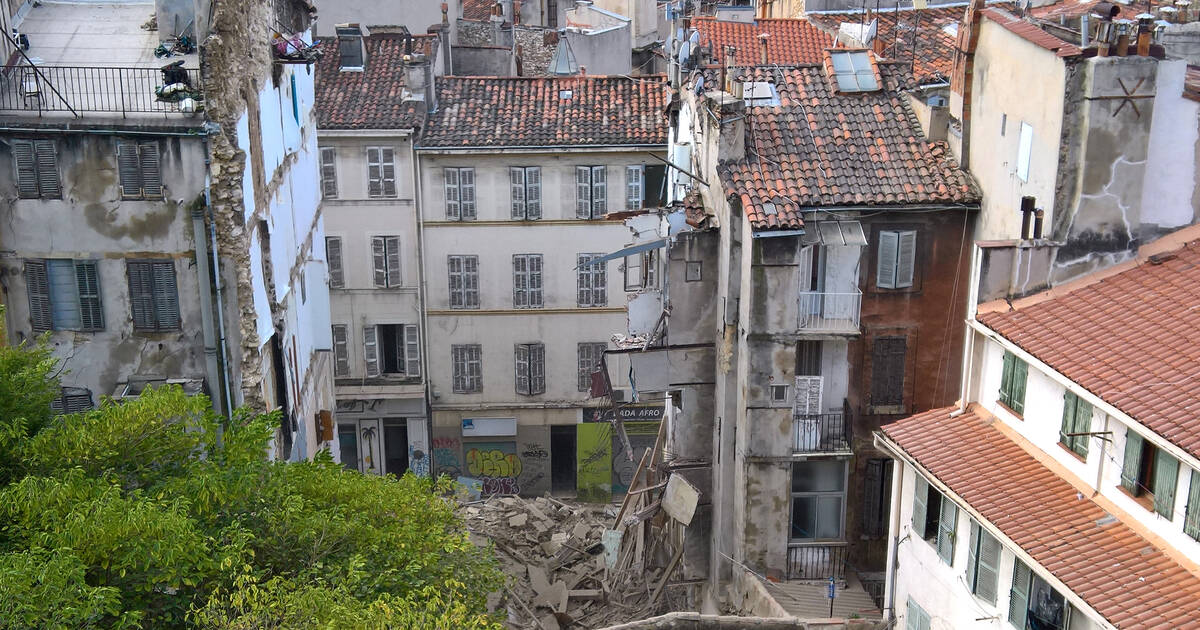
{"x": 516, "y": 12}
{"x": 962, "y": 75}
{"x": 1145, "y": 28}
{"x": 1039, "y": 214}
{"x": 762, "y": 45}
{"x": 731, "y": 136}
{"x": 727, "y": 69}
{"x": 1104, "y": 37}
{"x": 1026, "y": 216}
{"x": 1123, "y": 34}
{"x": 583, "y": 71}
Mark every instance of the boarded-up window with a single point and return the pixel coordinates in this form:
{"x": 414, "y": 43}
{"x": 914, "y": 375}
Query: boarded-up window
{"x": 138, "y": 167}
{"x": 463, "y": 274}
{"x": 1012, "y": 383}
{"x": 467, "y": 363}
{"x": 887, "y": 371}
{"x": 329, "y": 187}
{"x": 530, "y": 368}
{"x": 589, "y": 360}
{"x": 36, "y": 163}
{"x": 381, "y": 172}
{"x": 526, "y": 184}
{"x": 591, "y": 281}
{"x": 333, "y": 255}
{"x": 460, "y": 193}
{"x": 341, "y": 350}
{"x": 385, "y": 257}
{"x": 983, "y": 564}
{"x": 591, "y": 192}
{"x": 153, "y": 296}
{"x": 64, "y": 294}
{"x": 527, "y": 281}
{"x": 895, "y": 263}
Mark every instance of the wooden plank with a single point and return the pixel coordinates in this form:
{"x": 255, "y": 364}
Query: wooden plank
{"x": 658, "y": 589}
{"x": 633, "y": 485}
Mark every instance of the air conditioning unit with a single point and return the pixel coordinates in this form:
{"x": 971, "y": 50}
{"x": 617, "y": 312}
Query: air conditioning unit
{"x": 622, "y": 394}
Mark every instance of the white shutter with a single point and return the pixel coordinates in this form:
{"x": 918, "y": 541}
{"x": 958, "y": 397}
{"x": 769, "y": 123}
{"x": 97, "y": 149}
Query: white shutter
{"x": 388, "y": 171}
{"x": 333, "y": 258}
{"x": 454, "y": 271}
{"x": 458, "y": 366}
{"x": 516, "y": 177}
{"x": 535, "y": 281}
{"x": 466, "y": 183}
{"x": 520, "y": 281}
{"x": 374, "y": 173}
{"x": 470, "y": 281}
{"x": 453, "y": 210}
{"x": 805, "y": 272}
{"x": 906, "y": 258}
{"x": 533, "y": 193}
{"x": 392, "y": 248}
{"x": 371, "y": 350}
{"x": 885, "y": 268}
{"x": 537, "y": 369}
{"x": 379, "y": 257}
{"x": 583, "y": 192}
{"x": 341, "y": 354}
{"x": 412, "y": 351}
{"x": 583, "y": 280}
{"x": 599, "y": 192}
{"x": 808, "y": 395}
{"x": 633, "y": 272}
{"x": 521, "y": 368}
{"x": 329, "y": 172}
{"x": 633, "y": 187}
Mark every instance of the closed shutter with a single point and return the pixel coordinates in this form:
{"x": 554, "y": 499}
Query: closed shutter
{"x": 466, "y": 183}
{"x": 166, "y": 296}
{"x": 599, "y": 192}
{"x": 1018, "y": 596}
{"x": 1131, "y": 468}
{"x": 583, "y": 280}
{"x": 599, "y": 283}
{"x": 388, "y": 171}
{"x": 887, "y": 371}
{"x": 475, "y": 365}
{"x": 27, "y": 180}
{"x": 392, "y": 246}
{"x": 141, "y": 295}
{"x": 371, "y": 350}
{"x": 374, "y": 172}
{"x": 471, "y": 281}
{"x": 885, "y": 264}
{"x": 583, "y": 192}
{"x": 341, "y": 351}
{"x": 520, "y": 282}
{"x": 920, "y": 504}
{"x": 947, "y": 527}
{"x": 633, "y": 187}
{"x": 379, "y": 260}
{"x": 808, "y": 395}
{"x": 521, "y": 368}
{"x": 1191, "y": 521}
{"x": 1166, "y": 475}
{"x": 516, "y": 177}
{"x": 454, "y": 274}
{"x": 633, "y": 272}
{"x": 1083, "y": 424}
{"x": 329, "y": 187}
{"x": 333, "y": 255}
{"x": 91, "y": 313}
{"x": 453, "y": 209}
{"x": 458, "y": 365}
{"x": 412, "y": 351}
{"x": 988, "y": 573}
{"x": 535, "y": 281}
{"x": 1006, "y": 375}
{"x": 64, "y": 294}
{"x": 151, "y": 173}
{"x": 906, "y": 258}
{"x": 533, "y": 193}
{"x": 1068, "y": 420}
{"x": 37, "y": 285}
{"x": 1020, "y": 376}
{"x": 129, "y": 169}
{"x": 537, "y": 369}
{"x": 47, "y": 169}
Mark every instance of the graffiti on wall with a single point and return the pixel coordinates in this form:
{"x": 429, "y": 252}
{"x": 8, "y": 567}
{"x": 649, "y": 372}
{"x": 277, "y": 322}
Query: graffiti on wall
{"x": 497, "y": 465}
{"x": 533, "y": 448}
{"x": 446, "y": 456}
{"x": 641, "y": 437}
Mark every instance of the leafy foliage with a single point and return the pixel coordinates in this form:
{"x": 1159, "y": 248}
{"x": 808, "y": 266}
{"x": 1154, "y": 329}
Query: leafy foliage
{"x": 157, "y": 513}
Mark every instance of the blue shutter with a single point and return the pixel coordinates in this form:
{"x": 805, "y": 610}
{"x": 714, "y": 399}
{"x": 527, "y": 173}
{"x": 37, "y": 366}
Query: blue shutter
{"x": 64, "y": 294}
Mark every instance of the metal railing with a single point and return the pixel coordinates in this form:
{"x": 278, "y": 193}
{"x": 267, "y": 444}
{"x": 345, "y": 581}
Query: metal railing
{"x": 821, "y": 433}
{"x": 829, "y": 312}
{"x": 817, "y": 560}
{"x": 76, "y": 90}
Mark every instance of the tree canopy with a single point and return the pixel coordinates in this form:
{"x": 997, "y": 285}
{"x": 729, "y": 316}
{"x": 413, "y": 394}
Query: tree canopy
{"x": 135, "y": 515}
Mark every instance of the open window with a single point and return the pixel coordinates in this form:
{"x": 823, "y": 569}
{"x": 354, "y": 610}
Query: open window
{"x": 1033, "y": 603}
{"x": 1149, "y": 474}
{"x": 934, "y": 519}
{"x": 392, "y": 350}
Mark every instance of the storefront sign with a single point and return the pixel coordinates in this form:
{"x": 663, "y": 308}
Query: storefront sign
{"x": 632, "y": 413}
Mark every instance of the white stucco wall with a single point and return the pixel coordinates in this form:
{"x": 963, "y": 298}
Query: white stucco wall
{"x": 1167, "y": 197}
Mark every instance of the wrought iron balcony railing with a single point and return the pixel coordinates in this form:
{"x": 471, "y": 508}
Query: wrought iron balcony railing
{"x": 821, "y": 433}
{"x": 822, "y": 312}
{"x": 76, "y": 90}
{"x": 817, "y": 561}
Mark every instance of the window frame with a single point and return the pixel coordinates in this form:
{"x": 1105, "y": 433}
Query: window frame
{"x": 528, "y": 283}
{"x": 896, "y": 259}
{"x": 386, "y": 184}
{"x": 860, "y": 69}
{"x": 588, "y": 356}
{"x": 944, "y": 524}
{"x": 817, "y": 496}
{"x": 466, "y": 361}
{"x": 147, "y": 164}
{"x": 154, "y": 266}
{"x": 468, "y": 281}
{"x": 591, "y": 281}
{"x": 525, "y": 186}
{"x": 529, "y": 368}
{"x": 1014, "y": 379}
{"x": 329, "y": 180}
{"x": 464, "y": 202}
{"x": 87, "y": 294}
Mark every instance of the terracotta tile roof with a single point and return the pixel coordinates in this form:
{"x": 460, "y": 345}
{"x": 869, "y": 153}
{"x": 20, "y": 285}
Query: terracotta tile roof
{"x": 1132, "y": 338}
{"x": 477, "y": 10}
{"x": 370, "y": 99}
{"x": 475, "y": 112}
{"x": 1065, "y": 9}
{"x": 822, "y": 148}
{"x": 1031, "y": 33}
{"x": 789, "y": 41}
{"x": 1115, "y": 570}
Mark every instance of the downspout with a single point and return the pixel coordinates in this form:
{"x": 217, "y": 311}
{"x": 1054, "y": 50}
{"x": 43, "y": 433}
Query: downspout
{"x": 897, "y": 493}
{"x": 217, "y": 287}
{"x": 206, "y": 302}
{"x": 968, "y": 365}
{"x": 421, "y": 292}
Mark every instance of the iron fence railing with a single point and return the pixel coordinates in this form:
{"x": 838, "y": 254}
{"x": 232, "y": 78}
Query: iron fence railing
{"x": 77, "y": 89}
{"x": 817, "y": 560}
{"x": 821, "y": 433}
{"x": 829, "y": 312}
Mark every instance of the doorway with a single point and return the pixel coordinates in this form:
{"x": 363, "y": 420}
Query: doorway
{"x": 395, "y": 447}
{"x": 373, "y": 445}
{"x": 562, "y": 460}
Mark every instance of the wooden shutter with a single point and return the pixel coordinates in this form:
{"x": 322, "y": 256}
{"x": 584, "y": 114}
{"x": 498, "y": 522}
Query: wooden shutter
{"x": 633, "y": 187}
{"x": 887, "y": 371}
{"x": 1020, "y": 376}
{"x": 141, "y": 295}
{"x": 341, "y": 351}
{"x": 47, "y": 169}
{"x": 471, "y": 281}
{"x": 947, "y": 527}
{"x": 906, "y": 258}
{"x": 151, "y": 172}
{"x": 1166, "y": 476}
{"x": 37, "y": 285}
{"x": 1083, "y": 424}
{"x": 374, "y": 173}
{"x": 516, "y": 176}
{"x": 64, "y": 294}
{"x": 583, "y": 192}
{"x": 808, "y": 395}
{"x": 583, "y": 280}
{"x": 1018, "y": 595}
{"x": 412, "y": 351}
{"x": 466, "y": 184}
{"x": 379, "y": 260}
{"x": 535, "y": 281}
{"x": 453, "y": 209}
{"x": 392, "y": 247}
{"x": 371, "y": 349}
{"x": 333, "y": 257}
{"x": 1191, "y": 520}
{"x": 166, "y": 296}
{"x": 1006, "y": 375}
{"x": 599, "y": 283}
{"x": 129, "y": 169}
{"x": 885, "y": 260}
{"x": 987, "y": 576}
{"x": 520, "y": 281}
{"x": 454, "y": 276}
{"x": 533, "y": 192}
{"x": 387, "y": 170}
{"x": 521, "y": 368}
{"x": 27, "y": 179}
{"x": 1131, "y": 468}
{"x": 1068, "y": 420}
{"x": 537, "y": 369}
{"x": 599, "y": 192}
{"x": 458, "y": 367}
{"x": 87, "y": 279}
{"x": 920, "y": 505}
{"x": 329, "y": 188}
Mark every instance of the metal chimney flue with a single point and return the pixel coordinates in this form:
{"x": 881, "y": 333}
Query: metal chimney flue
{"x": 762, "y": 44}
{"x": 1038, "y": 216}
{"x": 1026, "y": 216}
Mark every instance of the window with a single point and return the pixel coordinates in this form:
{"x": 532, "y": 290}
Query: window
{"x": 392, "y": 350}
{"x": 635, "y": 182}
{"x": 37, "y": 169}
{"x": 877, "y": 488}
{"x": 460, "y": 193}
{"x": 590, "y": 355}
{"x": 464, "y": 281}
{"x": 527, "y": 281}
{"x": 591, "y": 281}
{"x": 779, "y": 393}
{"x": 818, "y": 499}
{"x": 1032, "y": 603}
{"x": 983, "y": 563}
{"x": 916, "y": 618}
{"x": 72, "y": 400}
{"x": 853, "y": 71}
{"x": 381, "y": 172}
{"x": 1076, "y": 422}
{"x": 887, "y": 371}
{"x": 1012, "y": 383}
{"x": 333, "y": 258}
{"x": 526, "y": 192}
{"x": 896, "y": 262}
{"x": 530, "y": 372}
{"x": 591, "y": 192}
{"x": 468, "y": 368}
{"x": 64, "y": 294}
{"x": 137, "y": 164}
{"x": 934, "y": 518}
{"x": 1191, "y": 519}
{"x": 385, "y": 256}
{"x": 1024, "y": 151}
{"x": 329, "y": 173}
{"x": 692, "y": 271}
{"x": 641, "y": 270}
{"x": 1150, "y": 473}
{"x": 341, "y": 350}
{"x": 808, "y": 358}
{"x": 153, "y": 296}
{"x": 350, "y": 48}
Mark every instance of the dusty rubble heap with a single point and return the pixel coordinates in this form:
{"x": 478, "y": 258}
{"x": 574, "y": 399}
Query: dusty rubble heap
{"x": 555, "y": 554}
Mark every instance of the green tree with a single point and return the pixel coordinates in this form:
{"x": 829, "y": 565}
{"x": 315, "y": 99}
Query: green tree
{"x": 132, "y": 516}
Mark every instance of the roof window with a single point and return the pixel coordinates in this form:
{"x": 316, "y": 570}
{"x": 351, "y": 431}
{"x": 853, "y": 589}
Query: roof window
{"x": 350, "y": 47}
{"x": 565, "y": 95}
{"x": 757, "y": 93}
{"x": 853, "y": 71}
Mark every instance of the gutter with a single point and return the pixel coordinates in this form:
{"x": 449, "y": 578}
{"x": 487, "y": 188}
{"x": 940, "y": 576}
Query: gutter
{"x": 422, "y": 287}
{"x": 574, "y": 148}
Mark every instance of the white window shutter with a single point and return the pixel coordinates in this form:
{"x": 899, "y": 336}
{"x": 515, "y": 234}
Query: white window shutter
{"x": 885, "y": 268}
{"x": 388, "y": 171}
{"x": 341, "y": 351}
{"x": 466, "y": 182}
{"x": 27, "y": 184}
{"x": 599, "y": 192}
{"x": 533, "y": 192}
{"x": 521, "y": 368}
{"x": 535, "y": 281}
{"x": 371, "y": 349}
{"x": 333, "y": 259}
{"x": 583, "y": 280}
{"x": 516, "y": 176}
{"x": 374, "y": 173}
{"x": 633, "y": 187}
{"x": 379, "y": 258}
{"x": 412, "y": 351}
{"x": 633, "y": 272}
{"x": 809, "y": 390}
{"x": 392, "y": 247}
{"x": 151, "y": 173}
{"x": 583, "y": 192}
{"x": 453, "y": 210}
{"x": 454, "y": 272}
{"x": 471, "y": 281}
{"x": 329, "y": 173}
{"x": 520, "y": 281}
{"x": 537, "y": 369}
{"x": 906, "y": 258}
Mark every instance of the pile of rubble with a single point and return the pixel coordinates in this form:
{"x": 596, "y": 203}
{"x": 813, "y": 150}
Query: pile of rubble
{"x": 567, "y": 563}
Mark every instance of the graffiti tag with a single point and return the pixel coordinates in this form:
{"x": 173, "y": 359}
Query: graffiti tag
{"x": 500, "y": 485}
{"x": 535, "y": 452}
{"x": 493, "y": 463}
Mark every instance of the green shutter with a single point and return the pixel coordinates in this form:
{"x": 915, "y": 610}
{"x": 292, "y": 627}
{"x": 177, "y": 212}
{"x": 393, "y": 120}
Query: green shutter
{"x": 973, "y": 556}
{"x": 1006, "y": 378}
{"x": 1018, "y": 596}
{"x": 1191, "y": 522}
{"x": 947, "y": 527}
{"x": 1083, "y": 424}
{"x": 988, "y": 572}
{"x": 1133, "y": 462}
{"x": 1166, "y": 475}
{"x": 920, "y": 501}
{"x": 1068, "y": 420}
{"x": 1020, "y": 375}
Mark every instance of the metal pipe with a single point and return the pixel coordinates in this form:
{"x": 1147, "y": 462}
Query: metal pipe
{"x": 1026, "y": 215}
{"x": 200, "y": 236}
{"x": 1038, "y": 216}
{"x": 217, "y": 287}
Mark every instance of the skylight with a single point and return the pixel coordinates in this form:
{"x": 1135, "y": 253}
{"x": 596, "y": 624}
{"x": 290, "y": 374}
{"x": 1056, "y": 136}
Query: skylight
{"x": 853, "y": 71}
{"x": 759, "y": 93}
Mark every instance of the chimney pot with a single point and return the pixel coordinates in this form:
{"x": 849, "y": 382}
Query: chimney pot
{"x": 1123, "y": 34}
{"x": 1026, "y": 216}
{"x": 762, "y": 40}
{"x": 1038, "y": 216}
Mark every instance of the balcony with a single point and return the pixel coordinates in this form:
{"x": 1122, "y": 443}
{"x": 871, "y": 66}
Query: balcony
{"x": 817, "y": 561}
{"x": 75, "y": 90}
{"x": 821, "y": 433}
{"x": 829, "y": 313}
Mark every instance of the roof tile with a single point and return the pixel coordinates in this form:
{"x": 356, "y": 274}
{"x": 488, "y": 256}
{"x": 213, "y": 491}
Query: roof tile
{"x": 789, "y": 41}
{"x": 371, "y": 98}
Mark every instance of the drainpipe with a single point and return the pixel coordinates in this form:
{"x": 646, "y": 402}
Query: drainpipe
{"x": 421, "y": 293}
{"x": 216, "y": 274}
{"x": 897, "y": 491}
{"x": 200, "y": 235}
